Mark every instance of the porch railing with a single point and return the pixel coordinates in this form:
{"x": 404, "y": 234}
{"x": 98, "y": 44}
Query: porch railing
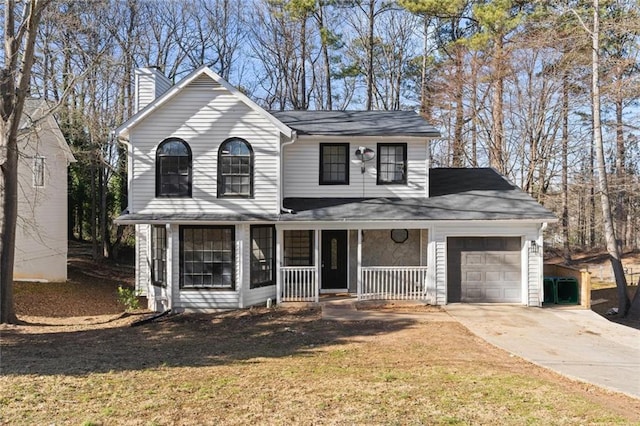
{"x": 393, "y": 283}
{"x": 299, "y": 283}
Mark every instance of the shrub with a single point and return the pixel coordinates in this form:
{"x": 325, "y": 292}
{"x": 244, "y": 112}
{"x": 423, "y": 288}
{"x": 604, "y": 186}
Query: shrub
{"x": 128, "y": 298}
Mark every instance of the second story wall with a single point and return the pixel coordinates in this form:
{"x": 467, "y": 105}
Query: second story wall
{"x": 204, "y": 115}
{"x": 302, "y": 169}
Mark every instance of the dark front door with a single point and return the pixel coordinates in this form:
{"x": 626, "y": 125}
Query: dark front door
{"x": 334, "y": 260}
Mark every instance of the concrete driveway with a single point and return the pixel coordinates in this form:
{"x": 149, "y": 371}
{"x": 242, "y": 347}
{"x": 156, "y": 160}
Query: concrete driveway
{"x": 576, "y": 343}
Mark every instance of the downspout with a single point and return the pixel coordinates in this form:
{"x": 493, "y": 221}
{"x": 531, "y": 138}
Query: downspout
{"x": 126, "y": 143}
{"x": 294, "y": 136}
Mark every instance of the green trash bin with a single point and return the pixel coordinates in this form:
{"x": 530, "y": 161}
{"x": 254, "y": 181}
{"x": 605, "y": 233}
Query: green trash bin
{"x": 567, "y": 291}
{"x": 549, "y": 290}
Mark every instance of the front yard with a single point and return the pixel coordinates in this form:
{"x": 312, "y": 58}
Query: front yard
{"x": 77, "y": 361}
{"x": 281, "y": 366}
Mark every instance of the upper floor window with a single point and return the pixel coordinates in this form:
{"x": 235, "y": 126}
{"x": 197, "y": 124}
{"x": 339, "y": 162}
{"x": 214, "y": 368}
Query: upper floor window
{"x": 235, "y": 169}
{"x": 334, "y": 164}
{"x": 392, "y": 163}
{"x": 38, "y": 171}
{"x": 173, "y": 169}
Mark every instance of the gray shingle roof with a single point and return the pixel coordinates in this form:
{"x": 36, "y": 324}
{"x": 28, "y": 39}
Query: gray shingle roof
{"x": 357, "y": 123}
{"x": 455, "y": 194}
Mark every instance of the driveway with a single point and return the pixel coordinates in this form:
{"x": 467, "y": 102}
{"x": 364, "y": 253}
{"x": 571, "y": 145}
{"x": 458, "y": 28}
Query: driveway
{"x": 576, "y": 343}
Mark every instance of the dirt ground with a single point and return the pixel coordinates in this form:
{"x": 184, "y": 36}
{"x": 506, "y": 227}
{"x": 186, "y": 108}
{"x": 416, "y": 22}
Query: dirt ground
{"x": 604, "y": 294}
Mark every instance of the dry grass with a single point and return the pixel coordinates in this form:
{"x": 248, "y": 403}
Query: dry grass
{"x": 282, "y": 366}
{"x": 77, "y": 361}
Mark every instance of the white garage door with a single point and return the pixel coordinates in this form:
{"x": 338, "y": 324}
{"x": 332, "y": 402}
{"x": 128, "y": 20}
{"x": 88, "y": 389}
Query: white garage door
{"x": 490, "y": 276}
{"x": 484, "y": 269}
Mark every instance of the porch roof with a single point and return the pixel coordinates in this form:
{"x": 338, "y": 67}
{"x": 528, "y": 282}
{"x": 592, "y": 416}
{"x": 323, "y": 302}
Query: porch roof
{"x": 127, "y": 218}
{"x": 455, "y": 194}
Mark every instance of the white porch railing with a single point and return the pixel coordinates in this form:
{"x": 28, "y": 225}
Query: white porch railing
{"x": 393, "y": 283}
{"x": 299, "y": 283}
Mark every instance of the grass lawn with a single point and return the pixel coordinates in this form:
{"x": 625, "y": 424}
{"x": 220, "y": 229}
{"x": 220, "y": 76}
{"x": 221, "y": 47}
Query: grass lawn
{"x": 281, "y": 366}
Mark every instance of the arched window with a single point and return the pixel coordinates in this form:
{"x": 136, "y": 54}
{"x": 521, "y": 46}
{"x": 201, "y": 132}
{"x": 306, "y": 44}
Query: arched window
{"x": 235, "y": 169}
{"x": 173, "y": 168}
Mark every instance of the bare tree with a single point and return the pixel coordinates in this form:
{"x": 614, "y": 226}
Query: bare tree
{"x": 15, "y": 75}
{"x": 609, "y": 229}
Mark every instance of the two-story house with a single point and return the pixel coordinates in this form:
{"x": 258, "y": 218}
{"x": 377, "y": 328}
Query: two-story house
{"x": 234, "y": 205}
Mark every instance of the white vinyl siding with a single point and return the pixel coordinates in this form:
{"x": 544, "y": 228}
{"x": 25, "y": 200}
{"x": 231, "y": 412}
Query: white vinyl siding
{"x": 301, "y": 170}
{"x": 205, "y": 115}
{"x": 41, "y": 231}
{"x": 150, "y": 84}
{"x": 534, "y": 272}
{"x": 143, "y": 276}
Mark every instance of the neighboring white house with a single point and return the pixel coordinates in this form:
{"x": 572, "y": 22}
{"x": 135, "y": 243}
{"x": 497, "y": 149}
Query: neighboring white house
{"x": 41, "y": 231}
{"x": 234, "y": 205}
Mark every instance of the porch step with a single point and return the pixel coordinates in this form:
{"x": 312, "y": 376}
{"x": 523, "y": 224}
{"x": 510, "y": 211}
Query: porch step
{"x": 338, "y": 303}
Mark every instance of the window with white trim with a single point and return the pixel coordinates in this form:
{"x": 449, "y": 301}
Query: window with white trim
{"x": 392, "y": 163}
{"x": 207, "y": 257}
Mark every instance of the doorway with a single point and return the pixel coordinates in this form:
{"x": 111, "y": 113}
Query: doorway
{"x": 334, "y": 260}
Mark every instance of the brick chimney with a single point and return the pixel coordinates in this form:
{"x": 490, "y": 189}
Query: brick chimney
{"x": 150, "y": 83}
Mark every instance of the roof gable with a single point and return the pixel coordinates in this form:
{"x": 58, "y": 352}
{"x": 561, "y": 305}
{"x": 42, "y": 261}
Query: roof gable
{"x": 40, "y": 111}
{"x": 124, "y": 128}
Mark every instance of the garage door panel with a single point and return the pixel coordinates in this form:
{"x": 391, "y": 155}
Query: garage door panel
{"x": 473, "y": 276}
{"x": 512, "y": 293}
{"x": 490, "y": 275}
{"x": 512, "y": 259}
{"x": 512, "y": 276}
{"x": 475, "y": 259}
{"x": 493, "y": 276}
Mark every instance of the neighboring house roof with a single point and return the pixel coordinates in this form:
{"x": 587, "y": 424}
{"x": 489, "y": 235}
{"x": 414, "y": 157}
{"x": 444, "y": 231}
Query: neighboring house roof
{"x": 357, "y": 123}
{"x": 456, "y": 195}
{"x": 37, "y": 114}
{"x": 125, "y": 127}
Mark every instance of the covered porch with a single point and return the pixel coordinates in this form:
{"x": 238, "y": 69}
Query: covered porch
{"x": 368, "y": 263}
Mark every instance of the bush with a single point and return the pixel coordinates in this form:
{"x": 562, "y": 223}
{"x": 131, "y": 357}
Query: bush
{"x": 128, "y": 298}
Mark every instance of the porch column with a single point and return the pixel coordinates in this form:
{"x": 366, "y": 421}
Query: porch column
{"x": 359, "y": 265}
{"x": 279, "y": 249}
{"x": 318, "y": 262}
{"x": 169, "y": 265}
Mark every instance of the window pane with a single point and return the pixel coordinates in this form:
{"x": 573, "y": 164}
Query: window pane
{"x": 173, "y": 163}
{"x": 334, "y": 163}
{"x": 262, "y": 256}
{"x": 392, "y": 163}
{"x": 298, "y": 248}
{"x": 207, "y": 254}
{"x": 235, "y": 159}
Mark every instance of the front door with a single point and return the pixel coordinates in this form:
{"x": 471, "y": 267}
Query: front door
{"x": 334, "y": 260}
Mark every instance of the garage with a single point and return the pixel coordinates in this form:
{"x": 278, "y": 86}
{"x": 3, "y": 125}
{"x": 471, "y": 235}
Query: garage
{"x": 484, "y": 269}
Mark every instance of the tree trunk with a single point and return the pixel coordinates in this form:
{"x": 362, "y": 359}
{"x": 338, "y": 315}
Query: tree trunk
{"x": 565, "y": 166}
{"x": 15, "y": 76}
{"x": 9, "y": 186}
{"x": 458, "y": 142}
{"x": 496, "y": 152}
{"x": 324, "y": 36}
{"x": 603, "y": 186}
{"x": 370, "y": 42}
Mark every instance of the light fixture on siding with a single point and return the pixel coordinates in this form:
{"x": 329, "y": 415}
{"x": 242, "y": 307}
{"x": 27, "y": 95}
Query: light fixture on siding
{"x": 364, "y": 154}
{"x": 533, "y": 247}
